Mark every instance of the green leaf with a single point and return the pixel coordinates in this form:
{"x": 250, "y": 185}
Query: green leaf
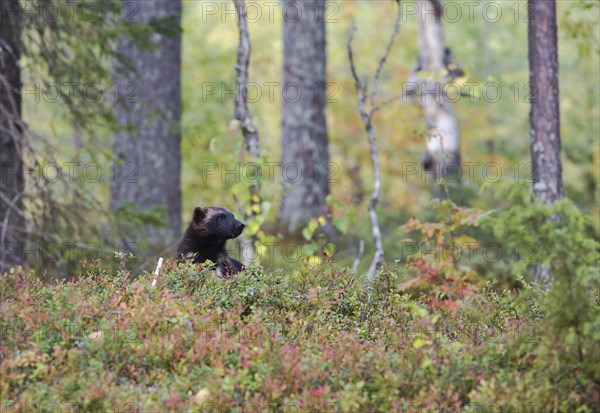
{"x": 306, "y": 233}
{"x": 418, "y": 343}
{"x": 342, "y": 224}
{"x": 313, "y": 224}
{"x": 329, "y": 249}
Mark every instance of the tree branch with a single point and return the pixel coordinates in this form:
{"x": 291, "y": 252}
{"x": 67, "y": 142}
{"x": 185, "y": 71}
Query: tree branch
{"x": 386, "y": 54}
{"x": 367, "y": 117}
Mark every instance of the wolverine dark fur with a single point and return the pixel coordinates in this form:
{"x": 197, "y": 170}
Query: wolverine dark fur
{"x": 205, "y": 238}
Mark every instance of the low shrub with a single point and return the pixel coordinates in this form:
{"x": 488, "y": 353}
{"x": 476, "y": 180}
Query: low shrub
{"x": 313, "y": 340}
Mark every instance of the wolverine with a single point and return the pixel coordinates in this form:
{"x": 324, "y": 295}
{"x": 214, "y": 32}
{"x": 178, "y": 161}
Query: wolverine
{"x": 206, "y": 236}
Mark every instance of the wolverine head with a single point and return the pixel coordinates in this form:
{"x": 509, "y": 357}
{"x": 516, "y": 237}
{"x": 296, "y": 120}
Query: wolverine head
{"x": 218, "y": 223}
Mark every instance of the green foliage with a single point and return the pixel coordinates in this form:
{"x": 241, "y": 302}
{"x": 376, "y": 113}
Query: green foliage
{"x": 70, "y": 49}
{"x": 344, "y": 216}
{"x": 580, "y": 23}
{"x": 560, "y": 235}
{"x": 565, "y": 241}
{"x": 308, "y": 339}
{"x": 130, "y": 213}
{"x": 71, "y": 45}
{"x": 167, "y": 26}
{"x": 69, "y": 59}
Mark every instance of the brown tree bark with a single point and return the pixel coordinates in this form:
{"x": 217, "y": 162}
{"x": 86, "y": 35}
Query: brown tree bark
{"x": 544, "y": 116}
{"x": 305, "y": 142}
{"x": 150, "y": 154}
{"x": 12, "y": 180}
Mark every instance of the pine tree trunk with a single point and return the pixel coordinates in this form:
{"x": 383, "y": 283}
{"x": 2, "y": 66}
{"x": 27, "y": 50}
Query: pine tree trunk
{"x": 544, "y": 116}
{"x": 150, "y": 154}
{"x": 305, "y": 153}
{"x": 12, "y": 180}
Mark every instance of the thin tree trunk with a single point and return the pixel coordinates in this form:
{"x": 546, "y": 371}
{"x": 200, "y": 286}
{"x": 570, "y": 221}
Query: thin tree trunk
{"x": 12, "y": 180}
{"x": 443, "y": 147}
{"x": 545, "y": 114}
{"x": 249, "y": 131}
{"x": 305, "y": 152}
{"x": 150, "y": 154}
{"x": 367, "y": 107}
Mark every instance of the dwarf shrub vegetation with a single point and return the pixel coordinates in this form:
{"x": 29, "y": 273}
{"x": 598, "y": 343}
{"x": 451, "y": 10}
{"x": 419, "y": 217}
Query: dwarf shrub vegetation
{"x": 425, "y": 337}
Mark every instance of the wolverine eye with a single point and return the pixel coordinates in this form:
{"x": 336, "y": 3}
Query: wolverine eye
{"x": 221, "y": 217}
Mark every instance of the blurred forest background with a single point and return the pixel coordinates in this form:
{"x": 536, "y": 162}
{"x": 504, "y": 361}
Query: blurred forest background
{"x": 118, "y": 118}
{"x": 490, "y": 44}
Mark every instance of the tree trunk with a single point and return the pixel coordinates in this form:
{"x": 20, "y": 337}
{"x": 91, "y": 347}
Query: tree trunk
{"x": 365, "y": 98}
{"x": 150, "y": 155}
{"x": 249, "y": 131}
{"x": 12, "y": 182}
{"x": 544, "y": 115}
{"x": 443, "y": 152}
{"x": 305, "y": 153}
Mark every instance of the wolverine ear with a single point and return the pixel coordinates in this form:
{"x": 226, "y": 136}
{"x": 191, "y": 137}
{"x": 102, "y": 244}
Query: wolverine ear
{"x": 199, "y": 214}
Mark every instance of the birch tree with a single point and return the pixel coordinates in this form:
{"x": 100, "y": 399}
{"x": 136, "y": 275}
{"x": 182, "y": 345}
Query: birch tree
{"x": 435, "y": 66}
